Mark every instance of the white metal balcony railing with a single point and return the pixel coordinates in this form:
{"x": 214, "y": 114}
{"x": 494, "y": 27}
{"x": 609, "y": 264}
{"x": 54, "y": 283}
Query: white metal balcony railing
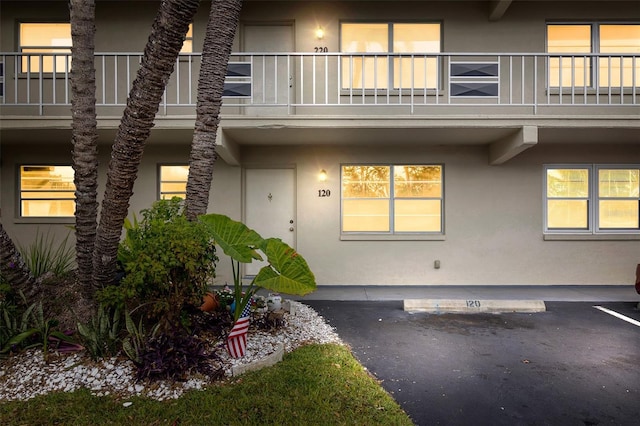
{"x": 283, "y": 81}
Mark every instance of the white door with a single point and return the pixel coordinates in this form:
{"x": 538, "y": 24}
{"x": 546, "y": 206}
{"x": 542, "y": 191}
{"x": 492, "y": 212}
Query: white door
{"x": 270, "y": 206}
{"x": 272, "y": 74}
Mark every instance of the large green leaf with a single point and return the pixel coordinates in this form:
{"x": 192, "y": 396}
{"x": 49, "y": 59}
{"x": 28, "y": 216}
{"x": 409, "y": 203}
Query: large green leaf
{"x": 288, "y": 272}
{"x": 234, "y": 238}
{"x": 19, "y": 338}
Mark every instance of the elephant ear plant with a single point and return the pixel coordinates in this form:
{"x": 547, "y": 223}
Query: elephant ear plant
{"x": 286, "y": 271}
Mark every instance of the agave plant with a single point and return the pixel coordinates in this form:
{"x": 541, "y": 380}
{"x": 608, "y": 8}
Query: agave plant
{"x": 286, "y": 270}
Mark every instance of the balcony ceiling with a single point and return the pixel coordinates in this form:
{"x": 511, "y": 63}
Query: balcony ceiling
{"x": 431, "y": 136}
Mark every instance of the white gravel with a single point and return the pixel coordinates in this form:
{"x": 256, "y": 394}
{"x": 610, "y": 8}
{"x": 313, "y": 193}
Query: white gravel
{"x": 26, "y": 375}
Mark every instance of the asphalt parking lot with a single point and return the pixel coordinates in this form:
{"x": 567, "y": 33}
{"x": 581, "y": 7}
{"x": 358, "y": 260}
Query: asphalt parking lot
{"x": 571, "y": 365}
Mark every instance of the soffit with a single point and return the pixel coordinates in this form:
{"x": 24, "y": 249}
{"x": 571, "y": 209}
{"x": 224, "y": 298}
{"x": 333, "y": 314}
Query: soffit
{"x": 346, "y": 134}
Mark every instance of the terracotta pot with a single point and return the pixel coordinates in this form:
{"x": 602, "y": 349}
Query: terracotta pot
{"x": 209, "y": 302}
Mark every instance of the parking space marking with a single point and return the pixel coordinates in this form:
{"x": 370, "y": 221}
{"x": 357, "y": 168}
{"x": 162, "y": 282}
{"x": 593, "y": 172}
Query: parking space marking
{"x": 618, "y": 315}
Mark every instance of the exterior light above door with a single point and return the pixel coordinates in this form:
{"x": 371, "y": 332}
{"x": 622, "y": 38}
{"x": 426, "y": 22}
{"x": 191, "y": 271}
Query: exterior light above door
{"x": 322, "y": 176}
{"x": 319, "y": 33}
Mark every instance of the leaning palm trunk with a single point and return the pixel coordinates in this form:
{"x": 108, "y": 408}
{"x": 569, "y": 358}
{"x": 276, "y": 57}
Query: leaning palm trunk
{"x": 85, "y": 134}
{"x": 221, "y": 29}
{"x": 14, "y": 270}
{"x": 158, "y": 61}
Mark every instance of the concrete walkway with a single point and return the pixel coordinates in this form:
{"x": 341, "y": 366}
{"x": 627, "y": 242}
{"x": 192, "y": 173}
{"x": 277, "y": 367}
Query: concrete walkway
{"x": 560, "y": 293}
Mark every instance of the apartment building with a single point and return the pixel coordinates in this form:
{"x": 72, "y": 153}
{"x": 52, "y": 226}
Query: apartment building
{"x": 390, "y": 142}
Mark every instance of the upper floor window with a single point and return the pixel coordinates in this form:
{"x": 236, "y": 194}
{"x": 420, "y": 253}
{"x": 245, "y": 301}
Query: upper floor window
{"x": 187, "y": 46}
{"x": 614, "y": 44}
{"x": 392, "y": 199}
{"x": 173, "y": 181}
{"x": 592, "y": 198}
{"x": 411, "y": 68}
{"x": 47, "y": 191}
{"x": 51, "y": 45}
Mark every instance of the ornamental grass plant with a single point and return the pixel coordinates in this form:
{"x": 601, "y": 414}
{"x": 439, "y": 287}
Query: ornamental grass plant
{"x": 46, "y": 255}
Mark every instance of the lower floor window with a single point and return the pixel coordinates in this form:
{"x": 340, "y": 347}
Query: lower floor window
{"x": 392, "y": 199}
{"x": 592, "y": 198}
{"x": 173, "y": 181}
{"x": 47, "y": 191}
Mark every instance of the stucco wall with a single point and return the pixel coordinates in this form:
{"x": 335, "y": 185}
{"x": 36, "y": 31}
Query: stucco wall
{"x": 224, "y": 197}
{"x": 493, "y": 221}
{"x": 124, "y": 26}
{"x": 493, "y": 214}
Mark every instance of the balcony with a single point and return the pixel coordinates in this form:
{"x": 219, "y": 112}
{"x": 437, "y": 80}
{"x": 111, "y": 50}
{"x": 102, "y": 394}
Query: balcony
{"x": 317, "y": 84}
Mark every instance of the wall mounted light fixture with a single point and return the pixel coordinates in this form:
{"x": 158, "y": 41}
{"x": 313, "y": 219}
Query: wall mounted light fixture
{"x": 319, "y": 33}
{"x": 322, "y": 176}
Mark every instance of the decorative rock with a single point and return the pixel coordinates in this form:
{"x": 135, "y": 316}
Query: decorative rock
{"x": 26, "y": 375}
{"x": 274, "y": 302}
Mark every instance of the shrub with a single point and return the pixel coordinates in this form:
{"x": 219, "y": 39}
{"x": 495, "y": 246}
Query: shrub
{"x": 173, "y": 357}
{"x": 168, "y": 262}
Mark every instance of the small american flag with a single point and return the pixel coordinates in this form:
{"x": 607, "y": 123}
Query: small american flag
{"x": 237, "y": 340}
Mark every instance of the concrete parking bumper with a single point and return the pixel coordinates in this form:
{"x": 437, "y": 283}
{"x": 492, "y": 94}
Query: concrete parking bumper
{"x": 473, "y": 305}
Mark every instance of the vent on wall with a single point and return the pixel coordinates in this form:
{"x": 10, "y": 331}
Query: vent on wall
{"x": 237, "y": 83}
{"x": 474, "y": 79}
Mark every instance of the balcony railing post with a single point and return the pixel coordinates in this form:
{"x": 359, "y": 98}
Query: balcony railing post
{"x": 67, "y": 71}
{"x": 326, "y": 79}
{"x": 290, "y": 88}
{"x": 40, "y": 85}
{"x": 535, "y": 85}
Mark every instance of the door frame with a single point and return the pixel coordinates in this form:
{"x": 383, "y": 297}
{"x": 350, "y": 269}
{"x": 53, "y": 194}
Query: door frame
{"x": 294, "y": 200}
{"x": 244, "y": 24}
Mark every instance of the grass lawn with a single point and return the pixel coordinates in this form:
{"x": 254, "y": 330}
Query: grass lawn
{"x": 314, "y": 385}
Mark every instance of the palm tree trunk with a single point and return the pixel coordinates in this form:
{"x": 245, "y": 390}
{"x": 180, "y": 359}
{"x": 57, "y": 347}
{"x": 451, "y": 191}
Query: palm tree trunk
{"x": 221, "y": 29}
{"x": 85, "y": 134}
{"x": 160, "y": 53}
{"x": 13, "y": 268}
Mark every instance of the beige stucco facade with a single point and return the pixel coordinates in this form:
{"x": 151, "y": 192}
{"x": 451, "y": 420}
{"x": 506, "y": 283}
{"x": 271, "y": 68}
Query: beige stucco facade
{"x": 493, "y": 155}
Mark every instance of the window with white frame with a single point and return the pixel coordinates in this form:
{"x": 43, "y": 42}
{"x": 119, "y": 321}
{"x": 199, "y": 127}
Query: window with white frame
{"x": 173, "y": 181}
{"x": 47, "y": 191}
{"x": 46, "y": 47}
{"x": 413, "y": 69}
{"x": 614, "y": 43}
{"x": 592, "y": 198}
{"x": 392, "y": 199}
